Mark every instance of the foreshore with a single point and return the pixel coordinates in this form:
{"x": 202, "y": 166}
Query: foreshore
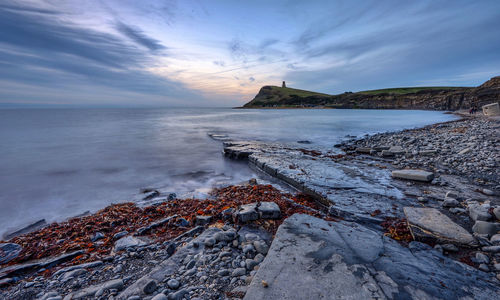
{"x": 353, "y": 222}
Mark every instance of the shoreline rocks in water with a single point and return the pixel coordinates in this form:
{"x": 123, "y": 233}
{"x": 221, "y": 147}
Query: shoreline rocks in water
{"x": 352, "y": 225}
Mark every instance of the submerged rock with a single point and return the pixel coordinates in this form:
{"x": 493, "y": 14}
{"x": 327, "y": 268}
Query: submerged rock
{"x": 31, "y": 227}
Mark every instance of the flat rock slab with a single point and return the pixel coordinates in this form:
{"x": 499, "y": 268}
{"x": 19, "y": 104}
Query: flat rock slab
{"x": 429, "y": 223}
{"x": 38, "y": 264}
{"x": 418, "y": 175}
{"x": 27, "y": 229}
{"x": 353, "y": 188}
{"x": 314, "y": 259}
{"x": 9, "y": 251}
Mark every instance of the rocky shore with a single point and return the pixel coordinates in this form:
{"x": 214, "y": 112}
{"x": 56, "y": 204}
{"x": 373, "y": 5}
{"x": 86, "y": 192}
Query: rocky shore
{"x": 405, "y": 215}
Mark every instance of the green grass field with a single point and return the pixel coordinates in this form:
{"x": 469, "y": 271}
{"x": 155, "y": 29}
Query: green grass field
{"x": 406, "y": 90}
{"x": 289, "y": 91}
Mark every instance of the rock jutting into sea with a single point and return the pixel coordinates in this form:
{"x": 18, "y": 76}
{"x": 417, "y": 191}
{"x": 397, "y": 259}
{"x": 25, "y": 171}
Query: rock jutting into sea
{"x": 429, "y": 98}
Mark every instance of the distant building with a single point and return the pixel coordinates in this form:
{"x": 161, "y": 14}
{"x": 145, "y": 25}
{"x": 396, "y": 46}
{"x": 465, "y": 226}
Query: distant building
{"x": 283, "y": 85}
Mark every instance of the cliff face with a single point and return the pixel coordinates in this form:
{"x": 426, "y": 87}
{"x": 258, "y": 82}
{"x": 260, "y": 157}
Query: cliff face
{"x": 408, "y": 98}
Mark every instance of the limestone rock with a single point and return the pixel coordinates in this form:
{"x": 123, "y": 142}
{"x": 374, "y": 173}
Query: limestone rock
{"x": 248, "y": 212}
{"x": 9, "y": 251}
{"x": 269, "y": 210}
{"x": 128, "y": 241}
{"x": 479, "y": 212}
{"x": 418, "y": 175}
{"x": 343, "y": 260}
{"x": 482, "y": 227}
{"x": 450, "y": 202}
{"x": 429, "y": 223}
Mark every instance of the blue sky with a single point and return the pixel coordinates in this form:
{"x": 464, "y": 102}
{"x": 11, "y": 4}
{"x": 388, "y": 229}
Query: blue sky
{"x": 219, "y": 53}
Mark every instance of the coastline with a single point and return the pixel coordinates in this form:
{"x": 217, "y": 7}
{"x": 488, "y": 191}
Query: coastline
{"x": 292, "y": 167}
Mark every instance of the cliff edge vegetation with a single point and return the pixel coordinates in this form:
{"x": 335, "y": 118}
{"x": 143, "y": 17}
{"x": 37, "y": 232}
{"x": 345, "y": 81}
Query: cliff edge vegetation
{"x": 430, "y": 98}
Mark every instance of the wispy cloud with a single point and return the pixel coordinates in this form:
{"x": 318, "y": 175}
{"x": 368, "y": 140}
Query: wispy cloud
{"x": 190, "y": 53}
{"x": 139, "y": 37}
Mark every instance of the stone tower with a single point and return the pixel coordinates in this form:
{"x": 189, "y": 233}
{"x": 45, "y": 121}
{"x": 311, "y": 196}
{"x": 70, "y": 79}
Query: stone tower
{"x": 283, "y": 85}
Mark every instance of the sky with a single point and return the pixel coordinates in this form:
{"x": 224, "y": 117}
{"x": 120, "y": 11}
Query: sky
{"x": 219, "y": 53}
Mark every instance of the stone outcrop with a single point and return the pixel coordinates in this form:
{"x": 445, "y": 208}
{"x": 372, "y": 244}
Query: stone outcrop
{"x": 343, "y": 260}
{"x": 424, "y": 98}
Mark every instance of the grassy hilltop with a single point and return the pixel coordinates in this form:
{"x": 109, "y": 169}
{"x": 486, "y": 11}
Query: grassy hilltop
{"x": 429, "y": 98}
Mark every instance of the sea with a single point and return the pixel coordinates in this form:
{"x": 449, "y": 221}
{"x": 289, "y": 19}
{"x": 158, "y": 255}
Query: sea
{"x": 59, "y": 163}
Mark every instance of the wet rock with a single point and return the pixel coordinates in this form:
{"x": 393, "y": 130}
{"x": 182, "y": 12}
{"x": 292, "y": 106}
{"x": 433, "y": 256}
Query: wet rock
{"x": 250, "y": 264}
{"x": 261, "y": 247}
{"x": 418, "y": 175}
{"x": 484, "y": 268}
{"x": 248, "y": 212}
{"x": 269, "y": 210}
{"x": 120, "y": 235}
{"x": 92, "y": 290}
{"x": 450, "y": 247}
{"x": 451, "y": 194}
{"x": 363, "y": 150}
{"x": 492, "y": 249}
{"x": 80, "y": 266}
{"x": 97, "y": 236}
{"x": 38, "y": 264}
{"x": 457, "y": 210}
{"x": 178, "y": 295}
{"x": 173, "y": 284}
{"x": 128, "y": 242}
{"x": 338, "y": 260}
{"x": 149, "y": 287}
{"x": 150, "y": 194}
{"x": 49, "y": 295}
{"x": 203, "y": 220}
{"x": 487, "y": 192}
{"x": 429, "y": 223}
{"x": 248, "y": 249}
{"x": 479, "y": 212}
{"x": 146, "y": 229}
{"x": 8, "y": 252}
{"x": 160, "y": 296}
{"x": 482, "y": 258}
{"x": 30, "y": 228}
{"x": 73, "y": 273}
{"x": 259, "y": 258}
{"x": 170, "y": 247}
{"x": 495, "y": 239}
{"x": 450, "y": 202}
{"x": 239, "y": 272}
{"x": 210, "y": 242}
{"x": 482, "y": 227}
{"x": 496, "y": 212}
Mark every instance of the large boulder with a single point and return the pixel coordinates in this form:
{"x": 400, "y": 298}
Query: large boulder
{"x": 314, "y": 259}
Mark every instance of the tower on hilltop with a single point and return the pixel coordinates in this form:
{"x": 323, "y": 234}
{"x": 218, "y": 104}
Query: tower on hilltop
{"x": 283, "y": 85}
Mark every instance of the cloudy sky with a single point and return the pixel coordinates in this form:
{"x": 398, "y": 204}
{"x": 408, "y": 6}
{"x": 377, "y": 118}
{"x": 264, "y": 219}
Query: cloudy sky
{"x": 219, "y": 53}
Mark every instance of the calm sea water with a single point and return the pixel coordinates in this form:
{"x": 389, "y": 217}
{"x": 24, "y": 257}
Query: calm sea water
{"x": 57, "y": 163}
